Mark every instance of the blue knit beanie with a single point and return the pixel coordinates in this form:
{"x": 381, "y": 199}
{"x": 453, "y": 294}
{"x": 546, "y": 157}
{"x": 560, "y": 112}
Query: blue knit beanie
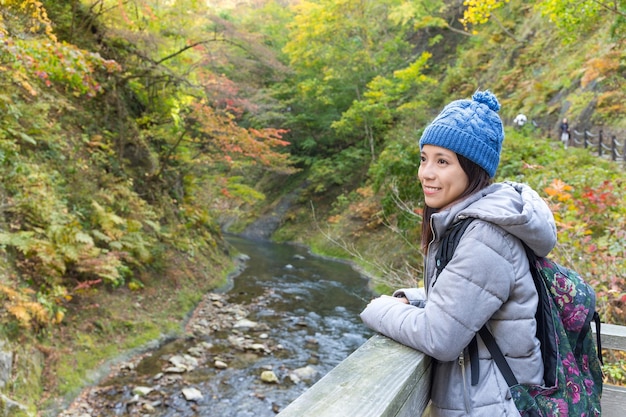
{"x": 471, "y": 128}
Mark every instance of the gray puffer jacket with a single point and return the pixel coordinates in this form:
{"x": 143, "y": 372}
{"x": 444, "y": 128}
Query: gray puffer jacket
{"x": 486, "y": 281}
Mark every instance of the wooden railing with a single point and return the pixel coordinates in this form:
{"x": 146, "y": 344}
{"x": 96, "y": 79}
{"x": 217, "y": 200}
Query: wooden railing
{"x": 598, "y": 143}
{"x": 380, "y": 379}
{"x": 613, "y": 397}
{"x": 386, "y": 379}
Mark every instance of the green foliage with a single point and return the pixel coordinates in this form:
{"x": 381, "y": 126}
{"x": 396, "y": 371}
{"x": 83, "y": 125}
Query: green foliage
{"x": 395, "y": 174}
{"x": 615, "y": 371}
{"x": 386, "y": 99}
{"x": 522, "y": 149}
{"x": 270, "y": 20}
{"x": 338, "y": 170}
{"x": 336, "y": 49}
{"x": 97, "y": 189}
{"x": 575, "y": 18}
{"x": 36, "y": 64}
{"x": 247, "y": 194}
{"x": 420, "y": 14}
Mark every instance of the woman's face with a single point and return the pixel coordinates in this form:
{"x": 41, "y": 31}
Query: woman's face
{"x": 441, "y": 175}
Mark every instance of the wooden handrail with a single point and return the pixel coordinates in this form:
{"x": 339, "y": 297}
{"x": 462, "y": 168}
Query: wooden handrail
{"x": 613, "y": 336}
{"x": 383, "y": 378}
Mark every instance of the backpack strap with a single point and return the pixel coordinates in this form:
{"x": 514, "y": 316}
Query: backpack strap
{"x": 449, "y": 242}
{"x": 472, "y": 349}
{"x": 498, "y": 356}
{"x": 545, "y": 326}
{"x": 596, "y": 319}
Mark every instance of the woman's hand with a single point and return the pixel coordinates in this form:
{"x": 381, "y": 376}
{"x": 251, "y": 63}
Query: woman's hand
{"x": 399, "y": 299}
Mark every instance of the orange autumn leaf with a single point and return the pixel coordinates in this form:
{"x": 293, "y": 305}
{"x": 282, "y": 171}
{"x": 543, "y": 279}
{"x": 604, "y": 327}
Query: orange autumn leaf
{"x": 559, "y": 189}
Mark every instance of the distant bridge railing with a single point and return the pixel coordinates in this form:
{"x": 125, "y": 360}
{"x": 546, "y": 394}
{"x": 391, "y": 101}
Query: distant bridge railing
{"x": 604, "y": 147}
{"x": 386, "y": 379}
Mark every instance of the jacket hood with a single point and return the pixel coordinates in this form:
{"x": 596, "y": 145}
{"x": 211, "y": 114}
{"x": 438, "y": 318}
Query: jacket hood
{"x": 514, "y": 207}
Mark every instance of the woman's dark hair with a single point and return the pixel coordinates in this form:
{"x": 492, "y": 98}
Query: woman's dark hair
{"x": 478, "y": 179}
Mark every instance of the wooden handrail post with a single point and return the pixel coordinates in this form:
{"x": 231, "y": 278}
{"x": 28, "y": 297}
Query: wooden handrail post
{"x": 613, "y": 148}
{"x": 600, "y": 143}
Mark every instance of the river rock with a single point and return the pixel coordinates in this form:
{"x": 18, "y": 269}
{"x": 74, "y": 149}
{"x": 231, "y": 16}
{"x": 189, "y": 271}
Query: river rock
{"x": 220, "y": 364}
{"x": 141, "y": 391}
{"x": 6, "y": 364}
{"x": 258, "y": 347}
{"x": 195, "y": 351}
{"x": 200, "y": 349}
{"x": 192, "y": 394}
{"x": 269, "y": 377}
{"x": 304, "y": 373}
{"x": 245, "y": 324}
{"x": 185, "y": 361}
{"x": 175, "y": 370}
{"x": 214, "y": 296}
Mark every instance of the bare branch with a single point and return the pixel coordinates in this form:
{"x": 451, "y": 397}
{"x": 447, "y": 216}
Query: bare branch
{"x": 505, "y": 30}
{"x": 387, "y": 274}
{"x": 613, "y": 9}
{"x": 453, "y": 29}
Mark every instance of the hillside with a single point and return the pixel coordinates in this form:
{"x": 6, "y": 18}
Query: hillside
{"x": 133, "y": 132}
{"x": 535, "y": 67}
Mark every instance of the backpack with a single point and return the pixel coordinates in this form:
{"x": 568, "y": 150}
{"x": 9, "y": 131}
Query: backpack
{"x": 572, "y": 364}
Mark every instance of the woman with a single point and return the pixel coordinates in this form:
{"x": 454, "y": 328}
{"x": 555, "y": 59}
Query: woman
{"x": 487, "y": 280}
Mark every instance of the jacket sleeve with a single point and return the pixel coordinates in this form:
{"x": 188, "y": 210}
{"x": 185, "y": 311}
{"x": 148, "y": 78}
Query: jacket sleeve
{"x": 473, "y": 286}
{"x": 416, "y": 296}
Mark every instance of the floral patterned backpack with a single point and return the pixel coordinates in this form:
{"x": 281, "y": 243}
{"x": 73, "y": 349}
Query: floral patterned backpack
{"x": 572, "y": 364}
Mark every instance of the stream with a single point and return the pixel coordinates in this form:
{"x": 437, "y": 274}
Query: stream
{"x": 250, "y": 349}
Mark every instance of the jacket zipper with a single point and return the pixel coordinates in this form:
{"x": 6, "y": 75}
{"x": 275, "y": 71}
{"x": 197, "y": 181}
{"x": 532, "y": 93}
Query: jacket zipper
{"x": 465, "y": 393}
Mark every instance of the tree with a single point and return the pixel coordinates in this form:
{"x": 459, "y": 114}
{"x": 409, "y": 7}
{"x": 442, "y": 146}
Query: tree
{"x": 572, "y": 17}
{"x": 385, "y": 100}
{"x": 106, "y": 162}
{"x": 336, "y": 48}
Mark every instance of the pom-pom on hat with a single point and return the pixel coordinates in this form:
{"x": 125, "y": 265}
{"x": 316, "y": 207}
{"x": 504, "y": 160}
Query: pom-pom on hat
{"x": 471, "y": 128}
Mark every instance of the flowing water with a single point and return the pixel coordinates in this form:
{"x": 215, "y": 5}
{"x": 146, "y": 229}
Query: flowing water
{"x": 306, "y": 308}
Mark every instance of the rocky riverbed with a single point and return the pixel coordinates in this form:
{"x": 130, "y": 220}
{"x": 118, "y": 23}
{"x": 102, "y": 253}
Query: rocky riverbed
{"x": 286, "y": 321}
{"x": 172, "y": 382}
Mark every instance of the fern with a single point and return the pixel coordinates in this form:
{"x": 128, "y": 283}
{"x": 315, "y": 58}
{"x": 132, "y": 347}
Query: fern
{"x": 27, "y": 313}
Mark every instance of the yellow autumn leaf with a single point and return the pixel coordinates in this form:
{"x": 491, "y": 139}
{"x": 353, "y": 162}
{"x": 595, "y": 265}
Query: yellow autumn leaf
{"x": 58, "y": 317}
{"x": 20, "y": 312}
